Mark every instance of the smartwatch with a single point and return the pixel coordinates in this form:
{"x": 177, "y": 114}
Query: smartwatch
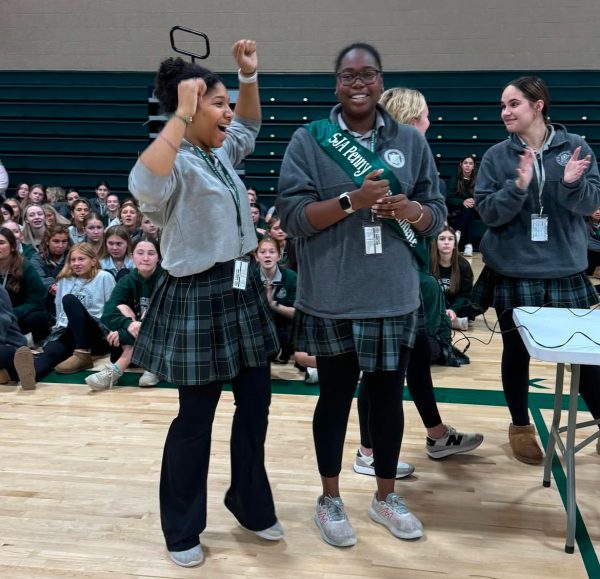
{"x": 346, "y": 203}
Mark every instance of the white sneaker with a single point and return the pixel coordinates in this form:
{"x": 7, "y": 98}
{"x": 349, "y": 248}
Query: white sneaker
{"x": 273, "y": 533}
{"x": 460, "y": 324}
{"x": 104, "y": 379}
{"x": 458, "y": 234}
{"x": 148, "y": 379}
{"x": 333, "y": 523}
{"x": 190, "y": 558}
{"x": 453, "y": 442}
{"x": 468, "y": 251}
{"x": 311, "y": 376}
{"x": 393, "y": 514}
{"x": 364, "y": 464}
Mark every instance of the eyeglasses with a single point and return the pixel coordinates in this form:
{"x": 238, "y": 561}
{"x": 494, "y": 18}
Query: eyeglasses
{"x": 366, "y": 77}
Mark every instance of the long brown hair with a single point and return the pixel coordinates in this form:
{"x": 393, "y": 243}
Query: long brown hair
{"x": 434, "y": 261}
{"x": 87, "y": 250}
{"x": 51, "y": 231}
{"x": 469, "y": 186}
{"x": 15, "y": 269}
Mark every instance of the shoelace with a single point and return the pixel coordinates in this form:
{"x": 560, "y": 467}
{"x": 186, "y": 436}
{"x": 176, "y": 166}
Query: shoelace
{"x": 397, "y": 503}
{"x": 334, "y": 508}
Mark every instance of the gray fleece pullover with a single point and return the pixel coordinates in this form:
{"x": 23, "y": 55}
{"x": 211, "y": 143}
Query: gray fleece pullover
{"x": 335, "y": 277}
{"x": 506, "y": 246}
{"x": 194, "y": 209}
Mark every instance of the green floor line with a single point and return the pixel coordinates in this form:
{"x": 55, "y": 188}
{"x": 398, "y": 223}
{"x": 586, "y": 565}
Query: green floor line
{"x": 582, "y": 537}
{"x": 298, "y": 387}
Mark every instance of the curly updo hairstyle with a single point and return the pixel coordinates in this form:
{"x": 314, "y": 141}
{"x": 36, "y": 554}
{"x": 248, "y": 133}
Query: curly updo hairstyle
{"x": 171, "y": 72}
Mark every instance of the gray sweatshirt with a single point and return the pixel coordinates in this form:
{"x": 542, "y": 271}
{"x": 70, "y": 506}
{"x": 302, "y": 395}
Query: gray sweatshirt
{"x": 10, "y": 333}
{"x": 335, "y": 277}
{"x": 194, "y": 209}
{"x": 506, "y": 246}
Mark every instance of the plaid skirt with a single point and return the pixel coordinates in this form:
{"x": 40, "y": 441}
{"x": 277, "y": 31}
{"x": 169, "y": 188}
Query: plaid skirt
{"x": 377, "y": 342}
{"x": 199, "y": 330}
{"x": 504, "y": 293}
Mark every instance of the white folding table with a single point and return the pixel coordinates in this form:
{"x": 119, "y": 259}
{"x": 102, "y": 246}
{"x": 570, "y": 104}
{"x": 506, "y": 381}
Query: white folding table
{"x": 563, "y": 336}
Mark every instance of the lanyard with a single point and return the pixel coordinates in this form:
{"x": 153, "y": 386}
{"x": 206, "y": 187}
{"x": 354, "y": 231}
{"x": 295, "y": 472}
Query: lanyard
{"x": 230, "y": 185}
{"x": 540, "y": 175}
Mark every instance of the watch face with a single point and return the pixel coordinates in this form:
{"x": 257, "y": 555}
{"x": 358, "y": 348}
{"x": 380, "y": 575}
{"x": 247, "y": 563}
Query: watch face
{"x": 345, "y": 202}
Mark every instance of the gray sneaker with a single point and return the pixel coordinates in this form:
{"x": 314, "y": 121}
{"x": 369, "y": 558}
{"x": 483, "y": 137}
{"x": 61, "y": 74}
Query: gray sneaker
{"x": 453, "y": 442}
{"x": 189, "y": 558}
{"x": 333, "y": 523}
{"x": 105, "y": 379}
{"x": 364, "y": 464}
{"x": 393, "y": 514}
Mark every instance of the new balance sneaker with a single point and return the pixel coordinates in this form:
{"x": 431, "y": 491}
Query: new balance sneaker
{"x": 393, "y": 514}
{"x": 104, "y": 379}
{"x": 333, "y": 522}
{"x": 189, "y": 558}
{"x": 468, "y": 250}
{"x": 364, "y": 464}
{"x": 148, "y": 379}
{"x": 453, "y": 442}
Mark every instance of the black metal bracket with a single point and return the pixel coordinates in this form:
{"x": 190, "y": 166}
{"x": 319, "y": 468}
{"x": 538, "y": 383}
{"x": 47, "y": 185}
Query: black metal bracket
{"x": 193, "y": 55}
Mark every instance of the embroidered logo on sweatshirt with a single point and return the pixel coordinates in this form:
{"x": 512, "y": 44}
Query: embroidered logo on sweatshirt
{"x": 395, "y": 158}
{"x": 563, "y": 158}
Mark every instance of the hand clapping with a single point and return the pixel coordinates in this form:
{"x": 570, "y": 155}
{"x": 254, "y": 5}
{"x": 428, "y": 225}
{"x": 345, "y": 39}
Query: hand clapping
{"x": 576, "y": 167}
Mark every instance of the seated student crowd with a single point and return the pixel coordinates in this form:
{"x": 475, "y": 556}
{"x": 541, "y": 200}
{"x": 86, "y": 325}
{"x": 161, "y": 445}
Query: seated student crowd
{"x": 51, "y": 270}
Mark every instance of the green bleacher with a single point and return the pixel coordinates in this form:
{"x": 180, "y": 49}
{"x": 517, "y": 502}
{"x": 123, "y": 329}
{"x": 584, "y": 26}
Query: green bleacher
{"x": 75, "y": 128}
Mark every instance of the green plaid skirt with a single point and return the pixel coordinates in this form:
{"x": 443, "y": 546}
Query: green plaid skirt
{"x": 377, "y": 342}
{"x": 504, "y": 293}
{"x": 199, "y": 330}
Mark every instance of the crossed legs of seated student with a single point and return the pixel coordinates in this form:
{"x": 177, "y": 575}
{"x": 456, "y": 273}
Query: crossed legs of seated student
{"x": 515, "y": 383}
{"x": 338, "y": 376}
{"x": 442, "y": 440}
{"x": 72, "y": 350}
{"x": 183, "y": 482}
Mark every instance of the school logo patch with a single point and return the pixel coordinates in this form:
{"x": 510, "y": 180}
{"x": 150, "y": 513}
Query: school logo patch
{"x": 281, "y": 293}
{"x": 395, "y": 158}
{"x": 563, "y": 158}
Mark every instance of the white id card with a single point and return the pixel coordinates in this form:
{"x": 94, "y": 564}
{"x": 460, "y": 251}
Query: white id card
{"x": 373, "y": 241}
{"x": 539, "y": 228}
{"x": 240, "y": 273}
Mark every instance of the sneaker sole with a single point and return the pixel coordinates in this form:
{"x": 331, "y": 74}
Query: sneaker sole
{"x": 23, "y": 362}
{"x": 347, "y": 543}
{"x": 369, "y": 471}
{"x": 450, "y": 451}
{"x": 398, "y": 534}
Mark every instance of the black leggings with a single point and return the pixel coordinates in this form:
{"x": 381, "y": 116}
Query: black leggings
{"x": 515, "y": 374}
{"x": 36, "y": 322}
{"x": 420, "y": 386}
{"x": 82, "y": 333}
{"x": 338, "y": 376}
{"x": 183, "y": 479}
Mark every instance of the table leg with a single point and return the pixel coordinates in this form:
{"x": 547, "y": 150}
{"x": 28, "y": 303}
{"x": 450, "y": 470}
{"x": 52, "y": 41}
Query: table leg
{"x": 553, "y": 432}
{"x": 570, "y": 458}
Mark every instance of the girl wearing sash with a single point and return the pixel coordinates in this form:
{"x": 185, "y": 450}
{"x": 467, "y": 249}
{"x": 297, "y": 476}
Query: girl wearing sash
{"x": 333, "y": 197}
{"x": 208, "y": 322}
{"x": 533, "y": 191}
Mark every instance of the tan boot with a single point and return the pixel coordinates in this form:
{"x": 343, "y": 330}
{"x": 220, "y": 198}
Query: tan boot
{"x": 524, "y": 444}
{"x": 25, "y": 369}
{"x": 76, "y": 363}
{"x": 4, "y": 377}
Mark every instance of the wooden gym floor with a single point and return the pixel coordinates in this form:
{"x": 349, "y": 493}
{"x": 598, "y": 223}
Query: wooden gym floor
{"x": 79, "y": 487}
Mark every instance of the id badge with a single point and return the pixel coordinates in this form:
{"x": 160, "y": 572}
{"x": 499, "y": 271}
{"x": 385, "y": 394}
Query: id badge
{"x": 539, "y": 228}
{"x": 240, "y": 273}
{"x": 372, "y": 236}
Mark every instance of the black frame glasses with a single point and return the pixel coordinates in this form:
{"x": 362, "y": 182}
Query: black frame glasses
{"x": 366, "y": 76}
